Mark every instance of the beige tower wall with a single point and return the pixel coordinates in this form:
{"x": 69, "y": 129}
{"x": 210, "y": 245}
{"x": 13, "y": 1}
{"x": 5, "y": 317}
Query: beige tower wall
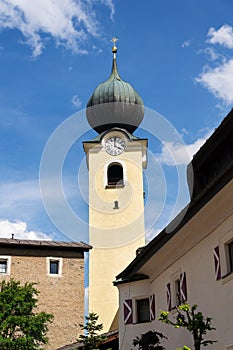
{"x": 115, "y": 234}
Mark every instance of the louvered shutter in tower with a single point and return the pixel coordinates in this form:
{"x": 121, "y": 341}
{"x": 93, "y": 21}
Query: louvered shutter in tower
{"x": 183, "y": 287}
{"x": 128, "y": 311}
{"x": 152, "y": 307}
{"x": 217, "y": 266}
{"x": 168, "y": 293}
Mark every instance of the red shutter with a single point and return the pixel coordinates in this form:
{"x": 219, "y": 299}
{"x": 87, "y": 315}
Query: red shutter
{"x": 152, "y": 307}
{"x": 183, "y": 287}
{"x": 128, "y": 311}
{"x": 169, "y": 299}
{"x": 217, "y": 266}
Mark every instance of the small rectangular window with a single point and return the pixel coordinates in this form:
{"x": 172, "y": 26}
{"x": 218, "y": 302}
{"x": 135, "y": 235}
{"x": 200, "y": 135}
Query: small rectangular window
{"x": 143, "y": 310}
{"x": 54, "y": 267}
{"x": 3, "y": 266}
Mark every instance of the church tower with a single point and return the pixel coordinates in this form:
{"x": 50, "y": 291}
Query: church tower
{"x": 115, "y": 160}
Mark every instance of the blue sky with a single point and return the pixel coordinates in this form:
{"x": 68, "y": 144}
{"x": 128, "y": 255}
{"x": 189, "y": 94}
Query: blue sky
{"x": 177, "y": 55}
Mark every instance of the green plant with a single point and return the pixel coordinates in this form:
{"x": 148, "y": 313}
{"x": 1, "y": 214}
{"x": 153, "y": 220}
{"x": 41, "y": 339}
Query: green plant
{"x": 149, "y": 341}
{"x": 194, "y": 321}
{"x": 20, "y": 327}
{"x": 91, "y": 338}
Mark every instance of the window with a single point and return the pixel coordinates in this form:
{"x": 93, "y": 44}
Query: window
{"x": 54, "y": 266}
{"x": 139, "y": 310}
{"x": 177, "y": 293}
{"x": 176, "y": 290}
{"x": 173, "y": 291}
{"x": 143, "y": 310}
{"x": 5, "y": 263}
{"x": 3, "y": 266}
{"x": 223, "y": 258}
{"x": 115, "y": 175}
{"x": 230, "y": 247}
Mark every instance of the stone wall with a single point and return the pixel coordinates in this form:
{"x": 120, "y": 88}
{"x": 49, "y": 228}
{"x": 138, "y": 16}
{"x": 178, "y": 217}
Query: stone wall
{"x": 62, "y": 294}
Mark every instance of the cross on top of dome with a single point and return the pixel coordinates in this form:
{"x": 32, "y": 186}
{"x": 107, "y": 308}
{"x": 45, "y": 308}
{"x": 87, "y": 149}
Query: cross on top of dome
{"x": 114, "y": 48}
{"x": 115, "y": 103}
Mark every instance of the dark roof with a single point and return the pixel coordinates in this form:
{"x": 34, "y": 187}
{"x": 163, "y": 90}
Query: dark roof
{"x": 223, "y": 174}
{"x": 213, "y": 158}
{"x": 44, "y": 244}
{"x": 111, "y": 337}
{"x": 220, "y": 134}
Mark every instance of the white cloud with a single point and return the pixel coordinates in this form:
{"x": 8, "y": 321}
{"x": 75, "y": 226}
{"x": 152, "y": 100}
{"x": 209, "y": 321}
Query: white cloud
{"x": 20, "y": 231}
{"x": 222, "y": 36}
{"x": 27, "y": 193}
{"x": 76, "y": 101}
{"x": 219, "y": 80}
{"x": 212, "y": 54}
{"x": 69, "y": 22}
{"x": 179, "y": 154}
{"x": 165, "y": 198}
{"x": 19, "y": 193}
{"x": 184, "y": 131}
{"x": 186, "y": 43}
{"x": 110, "y": 5}
{"x": 22, "y": 201}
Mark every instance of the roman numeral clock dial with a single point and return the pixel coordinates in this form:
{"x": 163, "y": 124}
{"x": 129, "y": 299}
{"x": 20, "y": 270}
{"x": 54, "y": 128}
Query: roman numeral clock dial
{"x": 114, "y": 146}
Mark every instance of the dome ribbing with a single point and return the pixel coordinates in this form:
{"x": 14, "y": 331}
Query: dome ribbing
{"x": 115, "y": 103}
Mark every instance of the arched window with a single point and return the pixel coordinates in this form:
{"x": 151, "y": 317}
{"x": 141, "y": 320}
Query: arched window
{"x": 115, "y": 175}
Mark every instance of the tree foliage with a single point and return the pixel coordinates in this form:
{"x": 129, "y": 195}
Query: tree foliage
{"x": 91, "y": 338}
{"x": 150, "y": 340}
{"x": 194, "y": 321}
{"x": 20, "y": 327}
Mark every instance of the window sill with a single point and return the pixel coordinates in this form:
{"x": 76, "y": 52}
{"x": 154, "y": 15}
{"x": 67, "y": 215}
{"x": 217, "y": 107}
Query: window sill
{"x": 140, "y": 322}
{"x": 227, "y": 278}
{"x": 54, "y": 275}
{"x": 114, "y": 186}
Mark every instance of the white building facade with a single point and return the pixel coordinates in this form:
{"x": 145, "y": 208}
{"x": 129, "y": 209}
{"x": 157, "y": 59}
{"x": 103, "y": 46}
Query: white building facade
{"x": 191, "y": 259}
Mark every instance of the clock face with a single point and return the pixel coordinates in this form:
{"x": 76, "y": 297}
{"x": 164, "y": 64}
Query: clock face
{"x": 114, "y": 145}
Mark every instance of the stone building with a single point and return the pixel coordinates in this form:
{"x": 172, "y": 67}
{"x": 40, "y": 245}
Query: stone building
{"x": 57, "y": 268}
{"x": 191, "y": 260}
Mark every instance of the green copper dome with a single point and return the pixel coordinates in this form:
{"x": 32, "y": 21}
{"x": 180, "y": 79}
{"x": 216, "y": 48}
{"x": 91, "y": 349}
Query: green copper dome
{"x": 115, "y": 103}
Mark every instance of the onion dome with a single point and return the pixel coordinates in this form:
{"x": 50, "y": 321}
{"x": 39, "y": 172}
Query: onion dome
{"x": 115, "y": 103}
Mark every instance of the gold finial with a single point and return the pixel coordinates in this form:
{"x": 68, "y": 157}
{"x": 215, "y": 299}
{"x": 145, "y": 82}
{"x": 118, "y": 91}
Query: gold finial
{"x": 114, "y": 48}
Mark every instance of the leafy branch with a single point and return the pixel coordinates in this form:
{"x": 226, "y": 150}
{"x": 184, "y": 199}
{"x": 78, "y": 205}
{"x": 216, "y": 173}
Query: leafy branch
{"x": 194, "y": 321}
